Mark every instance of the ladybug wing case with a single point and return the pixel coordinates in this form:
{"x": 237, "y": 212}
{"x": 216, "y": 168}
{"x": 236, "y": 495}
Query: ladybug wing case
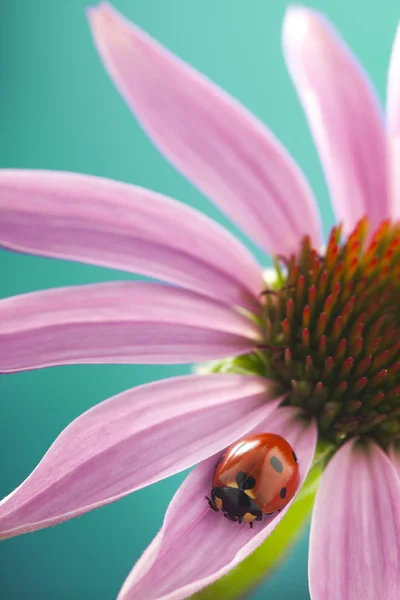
{"x": 263, "y": 466}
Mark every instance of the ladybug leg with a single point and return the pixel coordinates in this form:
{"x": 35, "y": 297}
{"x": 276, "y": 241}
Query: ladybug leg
{"x": 211, "y": 504}
{"x": 227, "y": 516}
{"x": 283, "y": 260}
{"x": 251, "y": 524}
{"x": 271, "y": 292}
{"x": 269, "y": 347}
{"x": 219, "y": 461}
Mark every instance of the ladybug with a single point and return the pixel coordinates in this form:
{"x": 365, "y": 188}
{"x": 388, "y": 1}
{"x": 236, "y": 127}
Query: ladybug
{"x": 256, "y": 476}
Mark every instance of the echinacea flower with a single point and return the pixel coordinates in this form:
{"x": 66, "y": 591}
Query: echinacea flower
{"x": 318, "y": 351}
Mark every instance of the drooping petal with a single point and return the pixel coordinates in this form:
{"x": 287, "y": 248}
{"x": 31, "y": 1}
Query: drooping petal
{"x": 132, "y": 440}
{"x": 393, "y": 125}
{"x": 119, "y": 322}
{"x": 227, "y": 153}
{"x": 197, "y": 546}
{"x": 355, "y": 532}
{"x": 103, "y": 222}
{"x": 344, "y": 116}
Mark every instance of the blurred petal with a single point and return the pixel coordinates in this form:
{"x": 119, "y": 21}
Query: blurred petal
{"x": 393, "y": 122}
{"x": 197, "y": 546}
{"x": 394, "y": 455}
{"x": 121, "y": 226}
{"x": 118, "y": 323}
{"x": 344, "y": 116}
{"x": 132, "y": 440}
{"x": 355, "y": 531}
{"x": 393, "y": 91}
{"x": 225, "y": 151}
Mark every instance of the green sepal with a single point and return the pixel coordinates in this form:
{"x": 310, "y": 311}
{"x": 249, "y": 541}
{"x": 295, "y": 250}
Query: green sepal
{"x": 256, "y": 567}
{"x": 248, "y": 364}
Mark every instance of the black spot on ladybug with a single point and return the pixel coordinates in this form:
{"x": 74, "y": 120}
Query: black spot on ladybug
{"x": 245, "y": 482}
{"x": 295, "y": 457}
{"x": 250, "y": 483}
{"x": 276, "y": 464}
{"x": 241, "y": 479}
{"x": 283, "y": 493}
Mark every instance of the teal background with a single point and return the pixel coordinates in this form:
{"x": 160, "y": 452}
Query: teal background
{"x": 58, "y": 110}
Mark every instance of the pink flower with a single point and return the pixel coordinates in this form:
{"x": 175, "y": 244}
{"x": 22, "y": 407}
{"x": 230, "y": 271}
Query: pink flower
{"x": 324, "y": 344}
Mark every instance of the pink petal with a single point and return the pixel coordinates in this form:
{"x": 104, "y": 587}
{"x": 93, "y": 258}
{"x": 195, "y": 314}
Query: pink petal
{"x": 393, "y": 124}
{"x": 132, "y": 440}
{"x": 355, "y": 532}
{"x": 197, "y": 546}
{"x": 208, "y": 136}
{"x": 393, "y": 91}
{"x": 116, "y": 225}
{"x": 394, "y": 455}
{"x": 118, "y": 323}
{"x": 344, "y": 116}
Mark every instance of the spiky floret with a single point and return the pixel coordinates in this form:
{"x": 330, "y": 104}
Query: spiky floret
{"x": 333, "y": 333}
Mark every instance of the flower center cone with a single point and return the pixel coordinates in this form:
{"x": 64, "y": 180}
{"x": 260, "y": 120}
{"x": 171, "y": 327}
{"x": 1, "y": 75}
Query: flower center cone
{"x": 333, "y": 333}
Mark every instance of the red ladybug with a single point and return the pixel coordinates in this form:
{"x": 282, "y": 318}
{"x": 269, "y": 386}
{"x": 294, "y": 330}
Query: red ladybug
{"x": 257, "y": 475}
